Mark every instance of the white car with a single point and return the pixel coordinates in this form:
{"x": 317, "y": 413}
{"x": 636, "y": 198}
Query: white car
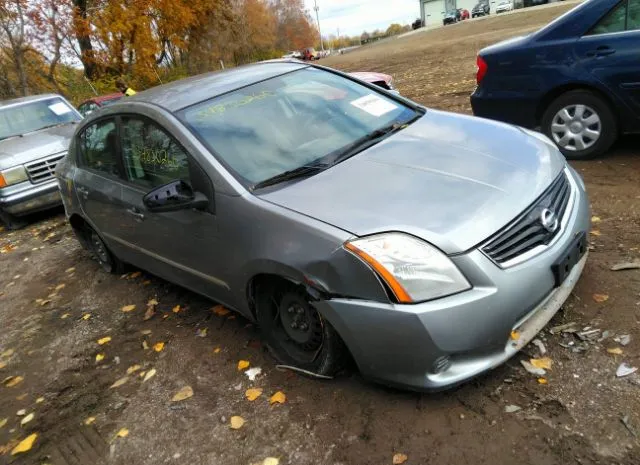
{"x": 504, "y": 5}
{"x": 292, "y": 55}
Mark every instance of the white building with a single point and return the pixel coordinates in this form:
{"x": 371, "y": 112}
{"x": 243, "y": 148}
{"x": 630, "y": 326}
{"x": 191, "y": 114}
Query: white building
{"x": 432, "y": 11}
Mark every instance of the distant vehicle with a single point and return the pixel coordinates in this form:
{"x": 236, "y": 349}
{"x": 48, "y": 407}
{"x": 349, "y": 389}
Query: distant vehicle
{"x": 450, "y": 18}
{"x": 588, "y": 89}
{"x": 481, "y": 9}
{"x": 292, "y": 54}
{"x": 309, "y": 54}
{"x": 34, "y": 136}
{"x": 379, "y": 79}
{"x": 504, "y": 6}
{"x": 417, "y": 24}
{"x": 463, "y": 14}
{"x": 89, "y": 106}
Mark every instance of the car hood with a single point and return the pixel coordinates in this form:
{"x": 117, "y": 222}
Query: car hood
{"x": 452, "y": 180}
{"x": 33, "y": 145}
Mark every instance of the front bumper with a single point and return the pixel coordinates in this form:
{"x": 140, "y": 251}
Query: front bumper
{"x": 404, "y": 345}
{"x": 24, "y": 198}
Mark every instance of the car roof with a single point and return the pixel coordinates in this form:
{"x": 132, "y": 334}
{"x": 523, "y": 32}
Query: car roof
{"x": 180, "y": 94}
{"x": 101, "y": 98}
{"x": 31, "y": 98}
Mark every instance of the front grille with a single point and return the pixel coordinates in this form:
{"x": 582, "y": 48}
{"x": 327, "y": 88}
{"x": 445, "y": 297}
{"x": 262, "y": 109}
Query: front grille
{"x": 528, "y": 231}
{"x": 43, "y": 169}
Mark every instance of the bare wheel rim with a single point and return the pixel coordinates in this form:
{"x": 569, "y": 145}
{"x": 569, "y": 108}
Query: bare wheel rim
{"x": 576, "y": 127}
{"x": 99, "y": 248}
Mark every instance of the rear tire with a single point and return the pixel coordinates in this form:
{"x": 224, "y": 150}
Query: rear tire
{"x": 12, "y": 222}
{"x": 294, "y": 331}
{"x": 581, "y": 124}
{"x": 106, "y": 259}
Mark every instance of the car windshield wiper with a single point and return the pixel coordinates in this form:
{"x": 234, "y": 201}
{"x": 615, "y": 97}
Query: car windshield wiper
{"x": 370, "y": 139}
{"x": 300, "y": 172}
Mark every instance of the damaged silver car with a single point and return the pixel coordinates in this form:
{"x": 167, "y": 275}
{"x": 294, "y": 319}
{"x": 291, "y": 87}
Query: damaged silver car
{"x": 345, "y": 220}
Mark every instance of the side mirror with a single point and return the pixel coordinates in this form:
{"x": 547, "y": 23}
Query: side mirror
{"x": 174, "y": 196}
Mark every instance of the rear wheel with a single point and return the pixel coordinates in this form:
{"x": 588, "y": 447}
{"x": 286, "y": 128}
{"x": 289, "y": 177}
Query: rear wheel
{"x": 109, "y": 262}
{"x": 11, "y": 222}
{"x": 581, "y": 124}
{"x": 295, "y": 332}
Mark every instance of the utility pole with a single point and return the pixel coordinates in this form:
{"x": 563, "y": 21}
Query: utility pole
{"x": 315, "y": 7}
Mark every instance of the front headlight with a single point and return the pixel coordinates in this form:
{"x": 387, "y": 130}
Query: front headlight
{"x": 414, "y": 270}
{"x": 13, "y": 175}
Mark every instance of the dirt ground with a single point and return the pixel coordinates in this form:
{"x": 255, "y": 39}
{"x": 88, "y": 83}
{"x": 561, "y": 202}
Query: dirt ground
{"x": 55, "y": 305}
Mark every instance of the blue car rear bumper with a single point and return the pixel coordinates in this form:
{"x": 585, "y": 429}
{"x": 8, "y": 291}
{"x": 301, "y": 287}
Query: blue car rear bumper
{"x": 511, "y": 109}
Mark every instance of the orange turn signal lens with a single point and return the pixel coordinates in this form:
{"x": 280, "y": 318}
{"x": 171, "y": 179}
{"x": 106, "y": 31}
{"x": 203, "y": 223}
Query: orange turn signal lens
{"x": 3, "y": 183}
{"x": 392, "y": 282}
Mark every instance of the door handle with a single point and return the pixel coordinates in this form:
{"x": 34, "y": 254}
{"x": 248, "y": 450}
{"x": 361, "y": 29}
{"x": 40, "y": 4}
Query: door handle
{"x": 601, "y": 51}
{"x": 82, "y": 191}
{"x": 137, "y": 214}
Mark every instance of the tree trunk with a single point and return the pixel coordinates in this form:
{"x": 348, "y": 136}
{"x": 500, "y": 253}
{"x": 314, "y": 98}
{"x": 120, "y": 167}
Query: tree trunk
{"x": 87, "y": 54}
{"x": 18, "y": 60}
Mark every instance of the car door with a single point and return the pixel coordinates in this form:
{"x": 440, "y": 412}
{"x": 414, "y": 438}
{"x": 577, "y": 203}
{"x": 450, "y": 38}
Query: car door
{"x": 98, "y": 180}
{"x": 180, "y": 245}
{"x": 610, "y": 51}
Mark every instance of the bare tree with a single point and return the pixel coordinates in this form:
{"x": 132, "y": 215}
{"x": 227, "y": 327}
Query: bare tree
{"x": 12, "y": 23}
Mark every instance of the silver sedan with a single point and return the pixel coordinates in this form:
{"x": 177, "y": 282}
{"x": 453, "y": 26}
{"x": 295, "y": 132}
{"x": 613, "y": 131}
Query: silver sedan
{"x": 346, "y": 220}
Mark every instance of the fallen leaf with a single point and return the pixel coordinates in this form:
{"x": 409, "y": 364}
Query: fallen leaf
{"x": 25, "y": 445}
{"x": 236, "y": 422}
{"x": 123, "y": 433}
{"x": 544, "y": 363}
{"x": 615, "y": 350}
{"x": 22, "y": 397}
{"x": 145, "y": 346}
{"x": 542, "y": 381}
{"x": 176, "y": 309}
{"x": 128, "y": 308}
{"x": 86, "y": 316}
{"x": 399, "y": 459}
{"x": 60, "y": 287}
{"x": 22, "y": 412}
{"x": 512, "y": 408}
{"x": 44, "y": 302}
{"x": 146, "y": 282}
{"x": 158, "y": 346}
{"x": 152, "y": 303}
{"x": 27, "y": 419}
{"x": 253, "y": 372}
{"x": 7, "y": 353}
{"x": 253, "y": 393}
{"x": 531, "y": 369}
{"x": 277, "y": 398}
{"x": 12, "y": 381}
{"x": 70, "y": 270}
{"x": 99, "y": 357}
{"x": 595, "y": 219}
{"x": 202, "y": 332}
{"x": 39, "y": 400}
{"x": 135, "y": 275}
{"x": 515, "y": 335}
{"x": 142, "y": 373}
{"x": 150, "y": 374}
{"x": 2, "y": 365}
{"x": 89, "y": 421}
{"x": 133, "y": 369}
{"x": 242, "y": 364}
{"x": 600, "y": 298}
{"x": 595, "y": 232}
{"x": 216, "y": 350}
{"x": 104, "y": 340}
{"x": 220, "y": 310}
{"x": 145, "y": 332}
{"x": 3, "y": 422}
{"x": 64, "y": 316}
{"x": 271, "y": 461}
{"x": 183, "y": 394}
{"x": 119, "y": 383}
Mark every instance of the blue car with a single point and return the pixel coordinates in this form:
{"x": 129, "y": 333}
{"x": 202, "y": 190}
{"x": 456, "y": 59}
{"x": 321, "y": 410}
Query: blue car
{"x": 576, "y": 79}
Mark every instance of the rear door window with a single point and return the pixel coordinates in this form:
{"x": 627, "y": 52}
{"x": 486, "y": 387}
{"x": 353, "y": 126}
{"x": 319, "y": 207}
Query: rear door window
{"x": 614, "y": 21}
{"x": 99, "y": 146}
{"x": 633, "y": 15}
{"x": 152, "y": 157}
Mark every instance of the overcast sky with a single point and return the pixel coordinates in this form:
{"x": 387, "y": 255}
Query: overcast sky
{"x": 355, "y": 16}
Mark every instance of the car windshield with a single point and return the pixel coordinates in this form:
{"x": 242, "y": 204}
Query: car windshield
{"x": 309, "y": 116}
{"x": 27, "y": 117}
